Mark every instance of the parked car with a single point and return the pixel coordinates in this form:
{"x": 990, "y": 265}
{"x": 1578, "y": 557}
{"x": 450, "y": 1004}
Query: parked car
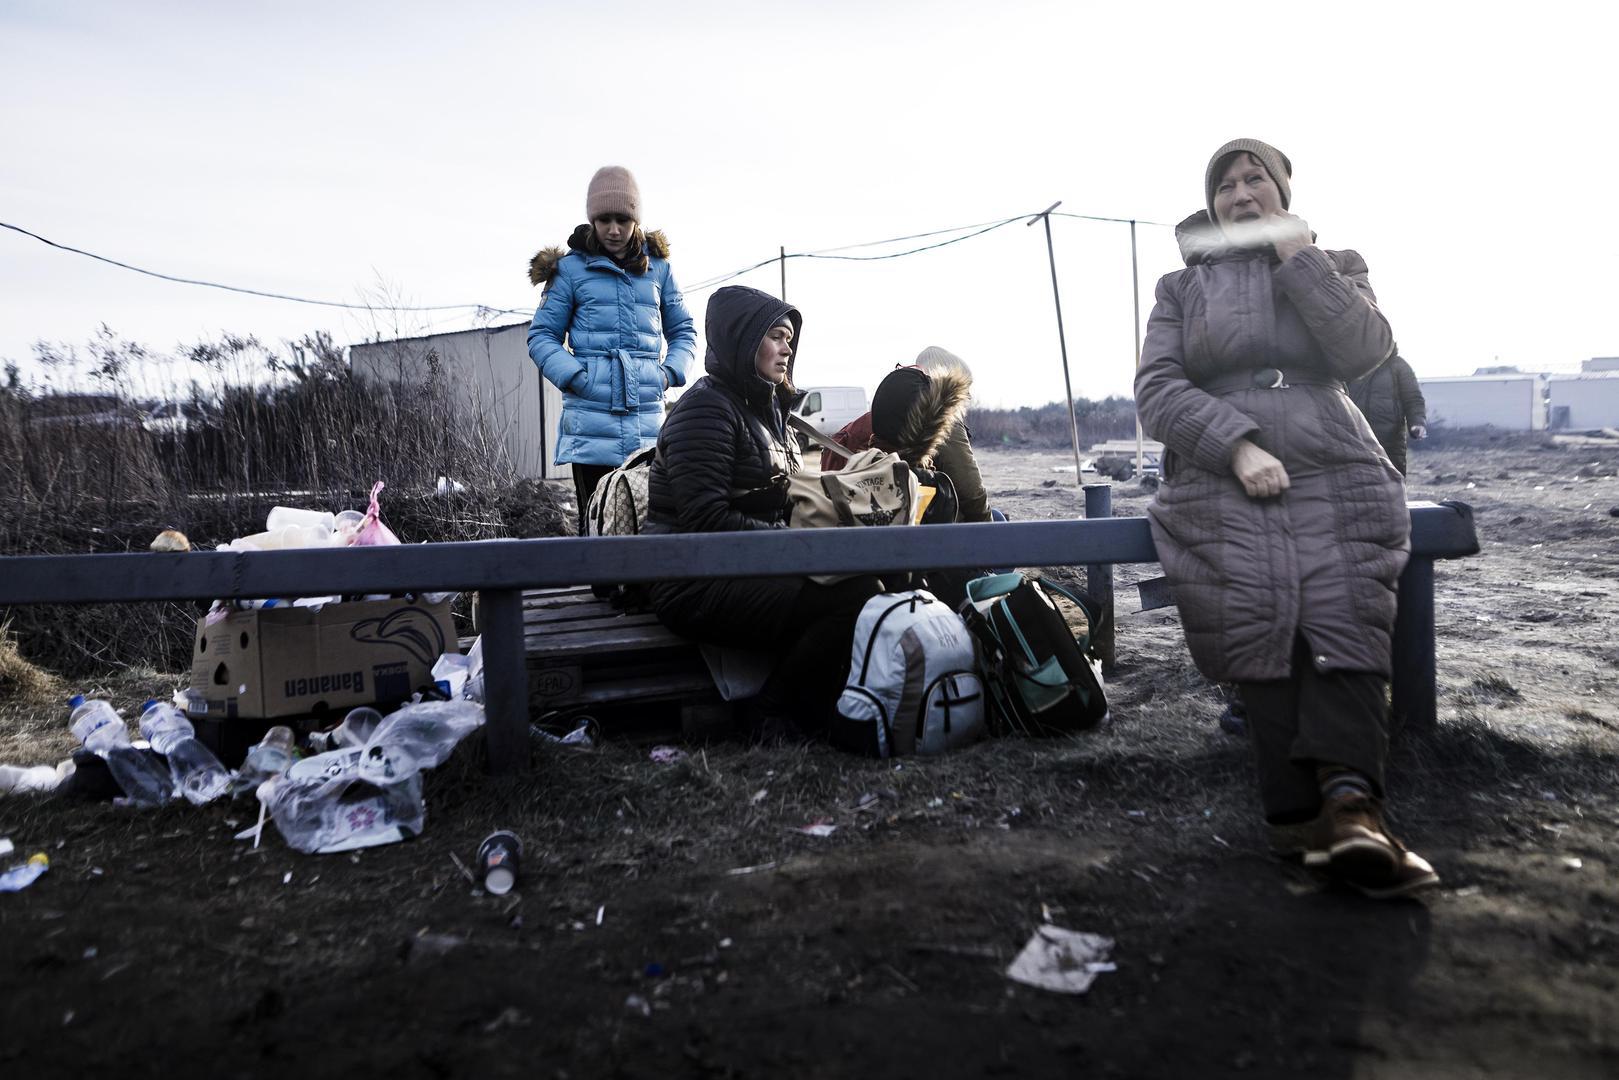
{"x": 829, "y": 408}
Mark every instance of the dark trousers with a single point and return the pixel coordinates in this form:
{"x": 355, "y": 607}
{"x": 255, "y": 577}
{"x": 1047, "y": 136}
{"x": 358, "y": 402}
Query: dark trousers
{"x": 814, "y": 667}
{"x": 585, "y": 479}
{"x": 1309, "y": 720}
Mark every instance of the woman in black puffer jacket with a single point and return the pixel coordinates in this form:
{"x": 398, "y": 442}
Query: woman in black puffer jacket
{"x": 723, "y": 459}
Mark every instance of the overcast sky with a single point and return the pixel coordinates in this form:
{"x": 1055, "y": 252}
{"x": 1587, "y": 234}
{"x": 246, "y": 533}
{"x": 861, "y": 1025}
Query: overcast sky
{"x": 419, "y": 151}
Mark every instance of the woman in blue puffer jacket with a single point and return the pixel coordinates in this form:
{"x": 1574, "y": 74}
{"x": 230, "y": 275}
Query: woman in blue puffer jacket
{"x": 610, "y": 302}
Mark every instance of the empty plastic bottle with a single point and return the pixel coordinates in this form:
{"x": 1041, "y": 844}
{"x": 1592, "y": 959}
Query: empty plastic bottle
{"x": 196, "y": 772}
{"x": 144, "y": 780}
{"x": 270, "y": 758}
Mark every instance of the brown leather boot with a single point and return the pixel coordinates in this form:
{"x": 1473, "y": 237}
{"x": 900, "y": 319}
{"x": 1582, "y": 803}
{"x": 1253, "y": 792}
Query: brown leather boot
{"x": 1353, "y": 845}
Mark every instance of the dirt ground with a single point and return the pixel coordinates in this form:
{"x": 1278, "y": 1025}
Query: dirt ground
{"x": 671, "y": 922}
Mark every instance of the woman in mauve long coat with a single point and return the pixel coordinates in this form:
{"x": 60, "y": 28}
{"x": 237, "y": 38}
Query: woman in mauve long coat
{"x": 1280, "y": 524}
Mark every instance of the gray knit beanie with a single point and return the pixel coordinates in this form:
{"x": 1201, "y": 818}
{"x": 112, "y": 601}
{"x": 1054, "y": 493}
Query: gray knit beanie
{"x": 613, "y": 191}
{"x": 1275, "y": 162}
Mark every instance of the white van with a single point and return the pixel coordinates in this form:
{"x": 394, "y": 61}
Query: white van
{"x": 829, "y": 408}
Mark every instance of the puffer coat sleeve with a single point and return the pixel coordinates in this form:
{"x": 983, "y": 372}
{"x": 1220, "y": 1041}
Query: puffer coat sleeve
{"x": 1336, "y": 302}
{"x": 679, "y": 329}
{"x": 708, "y": 459}
{"x": 545, "y": 335}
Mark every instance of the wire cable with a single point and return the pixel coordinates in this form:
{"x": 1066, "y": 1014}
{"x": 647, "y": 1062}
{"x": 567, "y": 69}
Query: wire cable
{"x": 236, "y": 288}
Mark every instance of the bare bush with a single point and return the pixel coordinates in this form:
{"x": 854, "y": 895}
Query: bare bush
{"x": 84, "y": 467}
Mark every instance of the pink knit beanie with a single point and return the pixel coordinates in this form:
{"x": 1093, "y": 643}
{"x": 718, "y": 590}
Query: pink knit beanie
{"x": 613, "y": 191}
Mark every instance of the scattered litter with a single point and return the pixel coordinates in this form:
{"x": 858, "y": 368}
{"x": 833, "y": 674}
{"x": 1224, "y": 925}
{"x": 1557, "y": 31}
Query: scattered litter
{"x": 935, "y": 802}
{"x": 653, "y": 970}
{"x": 667, "y": 755}
{"x": 759, "y": 796}
{"x": 22, "y": 875}
{"x": 737, "y": 871}
{"x": 1572, "y": 863}
{"x": 635, "y": 1003}
{"x": 816, "y": 828}
{"x": 462, "y": 867}
{"x": 29, "y": 780}
{"x": 6, "y": 846}
{"x": 725, "y": 942}
{"x": 510, "y": 1016}
{"x": 1063, "y": 961}
{"x": 499, "y": 857}
{"x": 1469, "y": 890}
{"x": 600, "y": 913}
{"x": 1218, "y": 839}
{"x": 286, "y": 879}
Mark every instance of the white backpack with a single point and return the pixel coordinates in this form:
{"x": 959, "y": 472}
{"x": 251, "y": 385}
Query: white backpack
{"x": 913, "y": 683}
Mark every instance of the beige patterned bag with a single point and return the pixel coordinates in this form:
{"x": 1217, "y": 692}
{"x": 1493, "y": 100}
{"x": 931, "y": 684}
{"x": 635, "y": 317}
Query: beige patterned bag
{"x": 874, "y": 487}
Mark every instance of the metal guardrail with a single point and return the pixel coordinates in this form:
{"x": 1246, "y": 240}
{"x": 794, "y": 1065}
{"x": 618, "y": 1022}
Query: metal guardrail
{"x": 501, "y": 569}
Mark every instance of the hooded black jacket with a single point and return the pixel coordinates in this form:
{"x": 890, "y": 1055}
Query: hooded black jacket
{"x": 722, "y": 462}
{"x": 1391, "y": 399}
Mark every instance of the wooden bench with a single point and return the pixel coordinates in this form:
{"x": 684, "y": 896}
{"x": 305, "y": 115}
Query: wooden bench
{"x": 583, "y": 653}
{"x": 501, "y": 570}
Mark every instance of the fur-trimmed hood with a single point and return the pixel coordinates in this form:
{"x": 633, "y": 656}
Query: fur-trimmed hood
{"x": 939, "y": 406}
{"x": 543, "y": 266}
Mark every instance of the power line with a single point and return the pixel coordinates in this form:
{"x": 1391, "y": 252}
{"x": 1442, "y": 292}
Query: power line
{"x": 833, "y": 253}
{"x": 238, "y": 288}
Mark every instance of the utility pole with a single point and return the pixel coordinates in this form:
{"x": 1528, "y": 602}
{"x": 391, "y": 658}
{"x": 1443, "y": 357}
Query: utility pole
{"x": 783, "y": 249}
{"x": 1135, "y": 292}
{"x": 1062, "y": 339}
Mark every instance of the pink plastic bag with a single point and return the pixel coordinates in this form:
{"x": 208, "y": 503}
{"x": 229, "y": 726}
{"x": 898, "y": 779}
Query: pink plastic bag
{"x": 372, "y": 532}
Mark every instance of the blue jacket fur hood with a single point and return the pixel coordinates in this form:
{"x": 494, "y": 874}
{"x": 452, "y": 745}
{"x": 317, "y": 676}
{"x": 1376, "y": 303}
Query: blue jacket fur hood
{"x": 599, "y": 336}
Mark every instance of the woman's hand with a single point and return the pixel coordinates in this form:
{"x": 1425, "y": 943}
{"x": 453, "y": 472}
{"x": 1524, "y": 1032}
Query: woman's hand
{"x": 1261, "y": 474}
{"x": 1288, "y": 233}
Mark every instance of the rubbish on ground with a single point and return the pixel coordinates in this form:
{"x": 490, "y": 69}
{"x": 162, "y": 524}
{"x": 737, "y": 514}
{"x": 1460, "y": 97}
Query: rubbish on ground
{"x": 635, "y": 1003}
{"x": 417, "y": 737}
{"x": 272, "y": 756}
{"x": 6, "y": 846}
{"x": 354, "y": 731}
{"x": 196, "y": 772}
{"x": 450, "y": 675}
{"x": 327, "y": 766}
{"x": 1572, "y": 863}
{"x": 357, "y": 797}
{"x": 19, "y": 877}
{"x": 343, "y": 813}
{"x": 446, "y": 486}
{"x": 740, "y": 870}
{"x": 372, "y": 532}
{"x": 499, "y": 857}
{"x": 667, "y": 755}
{"x": 816, "y": 828}
{"x": 143, "y": 778}
{"x": 474, "y": 687}
{"x": 1063, "y": 961}
{"x": 29, "y": 780}
{"x": 600, "y": 914}
{"x": 288, "y": 661}
{"x": 581, "y": 736}
{"x": 171, "y": 540}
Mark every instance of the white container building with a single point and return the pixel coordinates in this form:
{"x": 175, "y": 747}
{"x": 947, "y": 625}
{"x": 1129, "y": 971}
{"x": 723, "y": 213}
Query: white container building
{"x": 500, "y": 386}
{"x": 1509, "y": 402}
{"x": 1583, "y": 402}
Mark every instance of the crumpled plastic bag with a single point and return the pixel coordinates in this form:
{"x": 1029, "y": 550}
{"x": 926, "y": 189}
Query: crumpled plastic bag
{"x": 417, "y": 737}
{"x": 372, "y": 532}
